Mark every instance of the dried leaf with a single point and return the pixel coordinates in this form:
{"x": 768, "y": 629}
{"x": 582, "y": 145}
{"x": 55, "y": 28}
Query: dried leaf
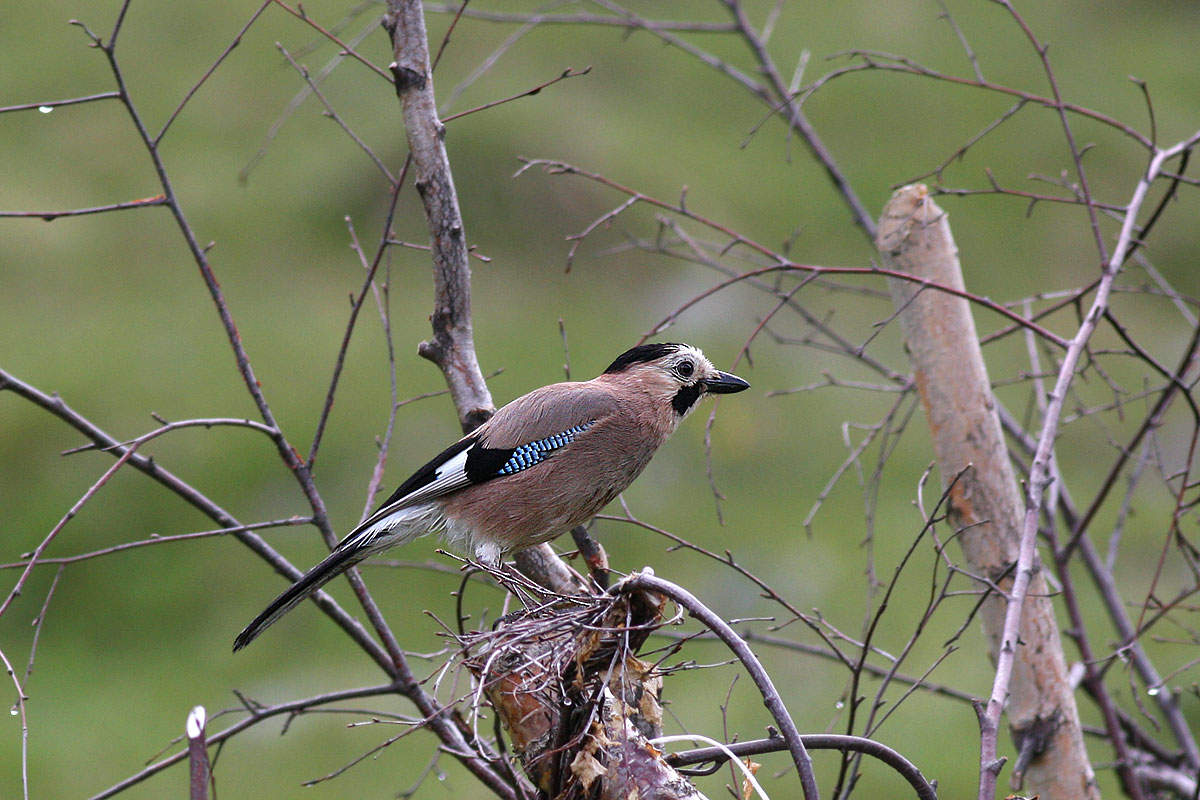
{"x": 586, "y": 768}
{"x": 747, "y": 787}
{"x": 651, "y": 710}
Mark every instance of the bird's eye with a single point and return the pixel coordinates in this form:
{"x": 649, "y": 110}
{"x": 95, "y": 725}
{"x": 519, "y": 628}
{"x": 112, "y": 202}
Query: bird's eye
{"x": 684, "y": 369}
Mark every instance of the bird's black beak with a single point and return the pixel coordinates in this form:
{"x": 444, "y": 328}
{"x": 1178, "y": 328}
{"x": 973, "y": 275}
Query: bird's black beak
{"x": 725, "y": 383}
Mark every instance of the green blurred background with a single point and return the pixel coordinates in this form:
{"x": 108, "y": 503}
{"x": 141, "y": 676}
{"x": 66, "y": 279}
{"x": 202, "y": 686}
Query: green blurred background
{"x": 109, "y": 311}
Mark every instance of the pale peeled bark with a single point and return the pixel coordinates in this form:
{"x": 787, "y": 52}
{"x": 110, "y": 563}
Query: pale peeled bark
{"x": 914, "y": 237}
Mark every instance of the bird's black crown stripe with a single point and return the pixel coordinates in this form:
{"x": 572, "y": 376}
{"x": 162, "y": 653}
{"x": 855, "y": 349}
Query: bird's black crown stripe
{"x": 685, "y": 398}
{"x": 641, "y": 354}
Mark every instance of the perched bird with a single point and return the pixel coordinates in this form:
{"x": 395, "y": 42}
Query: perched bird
{"x": 544, "y": 463}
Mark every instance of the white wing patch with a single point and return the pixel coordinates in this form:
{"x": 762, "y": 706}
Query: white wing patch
{"x": 448, "y": 477}
{"x": 412, "y": 508}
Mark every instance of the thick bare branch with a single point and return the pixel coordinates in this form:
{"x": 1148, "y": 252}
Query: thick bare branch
{"x": 984, "y": 502}
{"x": 453, "y": 345}
{"x": 648, "y": 581}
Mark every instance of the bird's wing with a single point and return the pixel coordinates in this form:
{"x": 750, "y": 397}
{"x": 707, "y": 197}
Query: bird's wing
{"x": 445, "y": 473}
{"x": 546, "y": 412}
{"x": 520, "y": 435}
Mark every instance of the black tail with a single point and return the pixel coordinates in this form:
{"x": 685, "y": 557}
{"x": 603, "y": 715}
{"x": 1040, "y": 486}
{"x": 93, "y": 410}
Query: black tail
{"x": 334, "y": 564}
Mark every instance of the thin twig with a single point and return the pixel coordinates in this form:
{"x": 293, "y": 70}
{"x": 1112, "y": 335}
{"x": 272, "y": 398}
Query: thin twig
{"x": 812, "y": 741}
{"x": 50, "y": 216}
{"x": 49, "y": 105}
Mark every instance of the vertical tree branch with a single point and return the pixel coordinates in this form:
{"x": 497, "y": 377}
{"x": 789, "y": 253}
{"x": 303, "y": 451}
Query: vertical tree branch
{"x": 453, "y": 344}
{"x": 452, "y": 347}
{"x": 985, "y": 503}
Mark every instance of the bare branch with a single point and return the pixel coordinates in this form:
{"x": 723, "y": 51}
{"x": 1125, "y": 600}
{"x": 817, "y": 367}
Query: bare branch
{"x": 50, "y": 216}
{"x": 453, "y": 346}
{"x": 56, "y": 406}
{"x": 647, "y": 581}
{"x": 49, "y": 105}
{"x": 256, "y": 714}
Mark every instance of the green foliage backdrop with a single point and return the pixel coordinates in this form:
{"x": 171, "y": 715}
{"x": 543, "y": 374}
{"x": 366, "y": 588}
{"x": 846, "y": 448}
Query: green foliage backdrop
{"x": 108, "y": 311}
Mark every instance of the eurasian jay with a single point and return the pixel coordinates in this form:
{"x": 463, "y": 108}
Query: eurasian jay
{"x": 543, "y": 464}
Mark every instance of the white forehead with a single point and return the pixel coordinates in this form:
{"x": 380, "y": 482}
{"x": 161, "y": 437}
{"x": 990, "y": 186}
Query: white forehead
{"x": 688, "y": 350}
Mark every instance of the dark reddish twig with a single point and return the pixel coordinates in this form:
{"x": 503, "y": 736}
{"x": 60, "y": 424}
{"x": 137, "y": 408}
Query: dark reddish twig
{"x": 40, "y": 622}
{"x": 1107, "y": 589}
{"x": 582, "y": 18}
{"x": 873, "y": 626}
{"x": 287, "y": 452}
{"x": 567, "y": 73}
{"x": 961, "y": 152}
{"x": 887, "y": 62}
{"x": 106, "y": 443}
{"x": 155, "y": 540}
{"x": 332, "y": 114}
{"x": 780, "y": 264}
{"x": 727, "y": 560}
{"x": 300, "y": 14}
{"x": 798, "y": 122}
{"x": 48, "y": 538}
{"x": 199, "y": 254}
{"x": 1042, "y": 50}
{"x": 356, "y": 304}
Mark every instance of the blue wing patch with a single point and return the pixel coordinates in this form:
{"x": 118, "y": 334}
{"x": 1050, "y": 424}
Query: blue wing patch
{"x": 527, "y": 455}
